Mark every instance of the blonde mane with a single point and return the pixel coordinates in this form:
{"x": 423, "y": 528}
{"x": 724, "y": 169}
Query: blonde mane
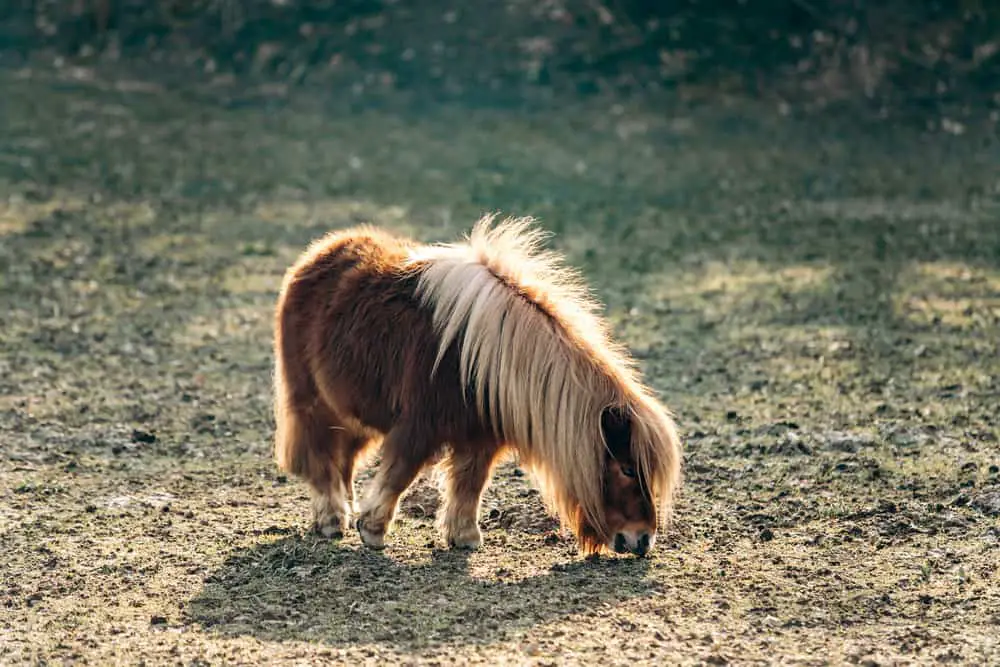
{"x": 541, "y": 365}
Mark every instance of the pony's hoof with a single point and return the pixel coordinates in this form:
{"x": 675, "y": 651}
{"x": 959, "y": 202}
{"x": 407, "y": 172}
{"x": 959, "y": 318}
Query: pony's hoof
{"x": 468, "y": 540}
{"x": 371, "y": 539}
{"x": 330, "y": 525}
{"x": 330, "y": 530}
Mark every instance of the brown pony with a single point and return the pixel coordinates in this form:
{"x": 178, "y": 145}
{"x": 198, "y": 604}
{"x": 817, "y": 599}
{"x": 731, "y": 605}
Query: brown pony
{"x": 469, "y": 351}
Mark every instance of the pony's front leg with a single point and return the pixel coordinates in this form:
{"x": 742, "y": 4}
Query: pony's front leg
{"x": 405, "y": 451}
{"x": 468, "y": 471}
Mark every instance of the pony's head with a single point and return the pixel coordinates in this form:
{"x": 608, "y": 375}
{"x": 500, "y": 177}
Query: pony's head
{"x": 639, "y": 474}
{"x": 629, "y": 510}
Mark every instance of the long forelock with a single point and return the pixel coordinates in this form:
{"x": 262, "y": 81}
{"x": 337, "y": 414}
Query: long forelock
{"x": 533, "y": 353}
{"x": 656, "y": 451}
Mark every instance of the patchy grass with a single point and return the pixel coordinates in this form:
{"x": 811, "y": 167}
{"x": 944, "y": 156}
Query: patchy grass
{"x": 820, "y": 303}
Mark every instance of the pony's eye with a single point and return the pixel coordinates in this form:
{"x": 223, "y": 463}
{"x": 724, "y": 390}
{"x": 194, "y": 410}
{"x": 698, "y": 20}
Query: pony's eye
{"x": 628, "y": 471}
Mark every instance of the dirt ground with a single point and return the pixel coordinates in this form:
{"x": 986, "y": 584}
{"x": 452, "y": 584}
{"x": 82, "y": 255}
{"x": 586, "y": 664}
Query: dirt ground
{"x": 818, "y": 299}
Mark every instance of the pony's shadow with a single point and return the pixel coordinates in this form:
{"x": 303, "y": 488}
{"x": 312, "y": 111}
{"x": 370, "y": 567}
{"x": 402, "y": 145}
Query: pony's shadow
{"x": 304, "y": 588}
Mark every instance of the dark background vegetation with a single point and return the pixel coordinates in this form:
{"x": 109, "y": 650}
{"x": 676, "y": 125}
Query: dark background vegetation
{"x": 895, "y": 56}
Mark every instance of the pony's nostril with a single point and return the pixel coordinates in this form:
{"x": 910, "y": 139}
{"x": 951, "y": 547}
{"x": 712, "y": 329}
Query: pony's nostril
{"x": 621, "y": 546}
{"x": 642, "y": 547}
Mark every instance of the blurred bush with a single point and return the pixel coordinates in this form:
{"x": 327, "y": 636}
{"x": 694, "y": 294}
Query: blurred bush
{"x": 920, "y": 50}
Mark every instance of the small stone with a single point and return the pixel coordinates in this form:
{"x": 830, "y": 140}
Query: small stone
{"x": 145, "y": 437}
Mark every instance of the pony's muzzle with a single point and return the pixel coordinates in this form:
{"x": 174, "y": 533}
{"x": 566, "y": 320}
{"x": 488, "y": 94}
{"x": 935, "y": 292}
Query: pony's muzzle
{"x": 635, "y": 542}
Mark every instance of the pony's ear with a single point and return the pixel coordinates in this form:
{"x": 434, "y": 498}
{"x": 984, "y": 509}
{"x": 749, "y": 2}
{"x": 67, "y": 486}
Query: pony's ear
{"x": 616, "y": 426}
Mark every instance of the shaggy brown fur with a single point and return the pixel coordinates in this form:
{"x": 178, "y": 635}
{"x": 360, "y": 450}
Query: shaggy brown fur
{"x": 470, "y": 350}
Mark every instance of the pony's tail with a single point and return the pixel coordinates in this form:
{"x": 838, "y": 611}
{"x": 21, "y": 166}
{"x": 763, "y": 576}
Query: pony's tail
{"x": 290, "y": 447}
{"x": 302, "y": 426}
{"x": 287, "y": 444}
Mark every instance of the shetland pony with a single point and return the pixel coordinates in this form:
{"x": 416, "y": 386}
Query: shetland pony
{"x": 464, "y": 351}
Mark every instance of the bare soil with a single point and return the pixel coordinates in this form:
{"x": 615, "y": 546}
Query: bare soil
{"x": 817, "y": 298}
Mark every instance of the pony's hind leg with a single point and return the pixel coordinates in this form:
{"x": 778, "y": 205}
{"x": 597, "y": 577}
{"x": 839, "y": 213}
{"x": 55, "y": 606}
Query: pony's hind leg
{"x": 405, "y": 451}
{"x": 467, "y": 472}
{"x": 330, "y": 509}
{"x": 311, "y": 444}
{"x": 333, "y": 492}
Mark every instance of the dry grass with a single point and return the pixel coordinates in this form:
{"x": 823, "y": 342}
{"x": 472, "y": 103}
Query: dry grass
{"x": 819, "y": 303}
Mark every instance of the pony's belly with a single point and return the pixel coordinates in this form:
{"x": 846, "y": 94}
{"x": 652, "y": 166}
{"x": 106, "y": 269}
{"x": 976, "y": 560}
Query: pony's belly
{"x": 358, "y": 410}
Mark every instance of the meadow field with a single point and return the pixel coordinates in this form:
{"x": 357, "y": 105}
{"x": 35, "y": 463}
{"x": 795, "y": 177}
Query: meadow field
{"x": 817, "y": 297}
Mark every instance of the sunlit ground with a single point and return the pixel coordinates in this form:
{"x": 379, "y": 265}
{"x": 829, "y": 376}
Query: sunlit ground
{"x": 817, "y": 301}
